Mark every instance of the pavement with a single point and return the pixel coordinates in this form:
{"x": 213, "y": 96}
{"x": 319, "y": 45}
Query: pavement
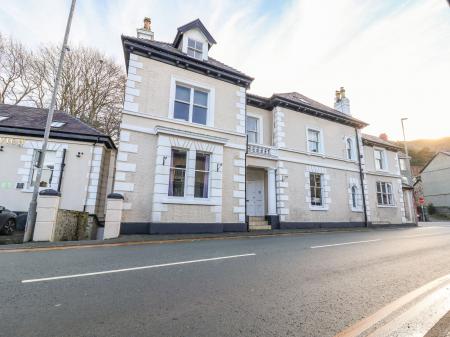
{"x": 14, "y": 242}
{"x": 316, "y": 284}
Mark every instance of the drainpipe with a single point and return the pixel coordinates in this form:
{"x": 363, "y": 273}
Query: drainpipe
{"x": 90, "y": 171}
{"x": 63, "y": 165}
{"x": 361, "y": 178}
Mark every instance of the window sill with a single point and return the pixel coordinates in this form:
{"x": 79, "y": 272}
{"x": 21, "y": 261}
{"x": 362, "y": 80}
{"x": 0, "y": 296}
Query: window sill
{"x": 318, "y": 154}
{"x": 190, "y": 201}
{"x": 386, "y": 206}
{"x": 318, "y": 208}
{"x": 357, "y": 210}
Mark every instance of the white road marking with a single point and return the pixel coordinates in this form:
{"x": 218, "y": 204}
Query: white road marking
{"x": 345, "y": 243}
{"x": 136, "y": 268}
{"x": 383, "y": 314}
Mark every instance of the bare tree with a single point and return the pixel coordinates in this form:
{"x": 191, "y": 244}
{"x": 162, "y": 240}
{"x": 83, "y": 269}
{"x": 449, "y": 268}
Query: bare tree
{"x": 16, "y": 72}
{"x": 92, "y": 87}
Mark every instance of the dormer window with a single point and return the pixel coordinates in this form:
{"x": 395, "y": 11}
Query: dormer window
{"x": 195, "y": 49}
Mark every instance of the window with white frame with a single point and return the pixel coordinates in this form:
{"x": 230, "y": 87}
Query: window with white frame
{"x": 402, "y": 164}
{"x": 177, "y": 177}
{"x": 380, "y": 159}
{"x": 202, "y": 166}
{"x": 191, "y": 104}
{"x": 195, "y": 49}
{"x": 350, "y": 149}
{"x": 356, "y": 198}
{"x": 385, "y": 195}
{"x": 253, "y": 129}
{"x": 48, "y": 166}
{"x": 314, "y": 141}
{"x": 315, "y": 185}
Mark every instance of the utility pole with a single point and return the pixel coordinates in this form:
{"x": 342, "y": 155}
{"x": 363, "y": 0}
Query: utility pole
{"x": 31, "y": 218}
{"x": 404, "y": 137}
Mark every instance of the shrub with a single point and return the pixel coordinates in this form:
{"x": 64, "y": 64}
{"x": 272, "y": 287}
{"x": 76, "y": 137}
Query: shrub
{"x": 431, "y": 209}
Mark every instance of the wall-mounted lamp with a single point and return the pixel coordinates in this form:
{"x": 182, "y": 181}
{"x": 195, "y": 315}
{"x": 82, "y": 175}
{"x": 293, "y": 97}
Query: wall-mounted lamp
{"x": 164, "y": 160}
{"x": 219, "y": 166}
{"x": 79, "y": 154}
{"x": 1, "y": 148}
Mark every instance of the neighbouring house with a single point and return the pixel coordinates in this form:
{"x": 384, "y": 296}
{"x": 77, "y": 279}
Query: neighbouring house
{"x": 409, "y": 196}
{"x": 434, "y": 182}
{"x": 198, "y": 153}
{"x": 79, "y": 162}
{"x": 389, "y": 181}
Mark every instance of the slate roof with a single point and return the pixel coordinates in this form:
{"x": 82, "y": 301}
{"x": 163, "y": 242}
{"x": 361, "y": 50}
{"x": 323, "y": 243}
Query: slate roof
{"x": 211, "y": 61}
{"x": 304, "y": 104}
{"x": 381, "y": 142}
{"x": 166, "y": 52}
{"x": 31, "y": 121}
{"x": 295, "y": 96}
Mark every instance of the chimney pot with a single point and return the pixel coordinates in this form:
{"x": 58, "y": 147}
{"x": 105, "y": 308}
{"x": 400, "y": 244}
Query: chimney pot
{"x": 341, "y": 102}
{"x": 338, "y": 96}
{"x": 146, "y": 31}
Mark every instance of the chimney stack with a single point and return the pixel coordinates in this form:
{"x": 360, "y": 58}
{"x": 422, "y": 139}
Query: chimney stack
{"x": 146, "y": 31}
{"x": 384, "y": 137}
{"x": 342, "y": 103}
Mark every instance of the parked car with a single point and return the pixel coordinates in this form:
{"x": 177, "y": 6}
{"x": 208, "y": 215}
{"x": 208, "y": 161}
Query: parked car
{"x": 7, "y": 221}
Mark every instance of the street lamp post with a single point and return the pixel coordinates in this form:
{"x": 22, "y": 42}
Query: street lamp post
{"x": 31, "y": 218}
{"x": 404, "y": 136}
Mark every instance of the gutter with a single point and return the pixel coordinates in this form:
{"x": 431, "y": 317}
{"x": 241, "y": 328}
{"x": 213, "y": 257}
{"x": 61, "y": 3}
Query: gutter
{"x": 361, "y": 178}
{"x": 57, "y": 135}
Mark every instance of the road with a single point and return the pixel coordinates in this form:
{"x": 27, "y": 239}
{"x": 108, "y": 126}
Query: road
{"x": 300, "y": 285}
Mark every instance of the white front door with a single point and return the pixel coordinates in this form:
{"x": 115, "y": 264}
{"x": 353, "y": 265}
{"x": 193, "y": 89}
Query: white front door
{"x": 255, "y": 198}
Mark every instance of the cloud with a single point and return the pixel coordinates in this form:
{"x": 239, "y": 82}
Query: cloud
{"x": 392, "y": 57}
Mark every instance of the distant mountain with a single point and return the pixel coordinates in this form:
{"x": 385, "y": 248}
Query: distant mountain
{"x": 422, "y": 150}
{"x": 435, "y": 145}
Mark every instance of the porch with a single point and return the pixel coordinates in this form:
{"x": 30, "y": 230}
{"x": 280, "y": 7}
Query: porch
{"x": 261, "y": 201}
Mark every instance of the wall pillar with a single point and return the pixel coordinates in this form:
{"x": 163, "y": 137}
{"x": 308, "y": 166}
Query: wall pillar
{"x": 271, "y": 192}
{"x": 47, "y": 211}
{"x": 113, "y": 218}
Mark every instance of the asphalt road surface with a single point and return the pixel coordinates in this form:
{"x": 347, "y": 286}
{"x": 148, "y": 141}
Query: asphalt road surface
{"x": 304, "y": 285}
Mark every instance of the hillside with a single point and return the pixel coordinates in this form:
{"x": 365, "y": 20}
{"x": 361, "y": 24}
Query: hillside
{"x": 422, "y": 150}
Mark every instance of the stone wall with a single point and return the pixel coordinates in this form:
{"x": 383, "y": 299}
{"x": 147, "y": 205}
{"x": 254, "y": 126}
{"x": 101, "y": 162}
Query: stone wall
{"x": 72, "y": 226}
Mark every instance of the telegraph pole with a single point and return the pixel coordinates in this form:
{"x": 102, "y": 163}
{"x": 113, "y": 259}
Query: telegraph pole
{"x": 31, "y": 218}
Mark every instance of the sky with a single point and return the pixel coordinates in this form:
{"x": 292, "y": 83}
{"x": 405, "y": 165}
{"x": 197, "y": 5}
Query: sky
{"x": 392, "y": 56}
